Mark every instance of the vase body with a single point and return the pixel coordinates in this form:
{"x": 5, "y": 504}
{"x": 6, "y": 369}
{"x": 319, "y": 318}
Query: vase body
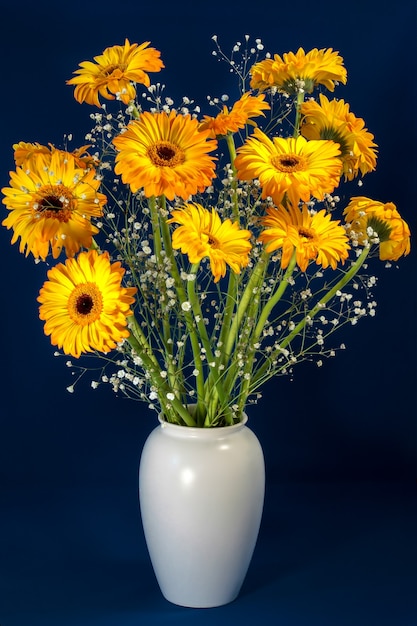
{"x": 201, "y": 493}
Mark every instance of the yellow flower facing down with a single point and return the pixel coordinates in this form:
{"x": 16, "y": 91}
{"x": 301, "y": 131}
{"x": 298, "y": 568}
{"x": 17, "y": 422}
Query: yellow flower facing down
{"x": 51, "y": 205}
{"x": 333, "y": 120}
{"x": 84, "y": 305}
{"x": 202, "y": 234}
{"x": 165, "y": 154}
{"x": 242, "y": 112}
{"x": 114, "y": 71}
{"x": 316, "y": 67}
{"x": 384, "y": 219}
{"x": 24, "y": 152}
{"x": 315, "y": 237}
{"x": 292, "y": 166}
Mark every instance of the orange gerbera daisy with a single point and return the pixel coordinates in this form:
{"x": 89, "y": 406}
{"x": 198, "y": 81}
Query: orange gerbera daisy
{"x": 114, "y": 73}
{"x": 333, "y": 120}
{"x": 51, "y": 205}
{"x": 316, "y": 67}
{"x": 315, "y": 237}
{"x": 84, "y": 305}
{"x": 165, "y": 154}
{"x": 393, "y": 232}
{"x": 292, "y": 166}
{"x": 24, "y": 151}
{"x": 202, "y": 234}
{"x": 243, "y": 110}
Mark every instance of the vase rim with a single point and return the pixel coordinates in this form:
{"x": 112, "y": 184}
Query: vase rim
{"x": 198, "y": 431}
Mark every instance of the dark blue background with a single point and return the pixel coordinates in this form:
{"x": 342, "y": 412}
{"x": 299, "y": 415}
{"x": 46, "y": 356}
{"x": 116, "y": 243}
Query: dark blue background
{"x": 337, "y": 542}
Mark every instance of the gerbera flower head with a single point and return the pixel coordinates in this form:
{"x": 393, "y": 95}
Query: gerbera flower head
{"x": 303, "y": 70}
{"x": 314, "y": 236}
{"x": 242, "y": 112}
{"x": 24, "y": 152}
{"x": 292, "y": 166}
{"x": 366, "y": 216}
{"x": 114, "y": 73}
{"x": 202, "y": 234}
{"x": 333, "y": 120}
{"x": 165, "y": 154}
{"x": 51, "y": 205}
{"x": 84, "y": 305}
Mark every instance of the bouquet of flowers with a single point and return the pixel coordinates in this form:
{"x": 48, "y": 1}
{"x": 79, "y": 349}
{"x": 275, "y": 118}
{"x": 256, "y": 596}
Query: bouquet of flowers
{"x": 205, "y": 254}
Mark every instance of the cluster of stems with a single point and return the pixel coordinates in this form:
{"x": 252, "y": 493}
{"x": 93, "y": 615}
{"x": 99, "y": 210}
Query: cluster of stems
{"x": 222, "y": 383}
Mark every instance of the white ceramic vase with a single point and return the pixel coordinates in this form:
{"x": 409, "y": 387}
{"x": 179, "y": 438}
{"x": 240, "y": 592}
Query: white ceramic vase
{"x": 201, "y": 493}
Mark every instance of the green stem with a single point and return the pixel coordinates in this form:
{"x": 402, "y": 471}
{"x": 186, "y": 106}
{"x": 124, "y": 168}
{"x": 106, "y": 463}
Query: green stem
{"x": 275, "y": 298}
{"x": 253, "y": 337}
{"x": 183, "y": 299}
{"x": 232, "y": 152}
{"x": 319, "y": 306}
{"x": 211, "y": 361}
{"x": 138, "y": 342}
{"x": 298, "y": 103}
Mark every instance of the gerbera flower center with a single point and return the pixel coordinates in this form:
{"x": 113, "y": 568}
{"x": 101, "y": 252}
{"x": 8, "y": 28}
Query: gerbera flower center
{"x": 307, "y": 234}
{"x": 288, "y": 162}
{"x": 54, "y": 201}
{"x": 165, "y": 154}
{"x": 85, "y": 304}
{"x": 210, "y": 240}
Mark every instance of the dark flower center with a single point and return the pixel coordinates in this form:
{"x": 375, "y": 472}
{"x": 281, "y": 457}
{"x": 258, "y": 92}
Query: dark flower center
{"x": 50, "y": 203}
{"x": 306, "y": 233}
{"x": 166, "y": 154}
{"x": 84, "y": 304}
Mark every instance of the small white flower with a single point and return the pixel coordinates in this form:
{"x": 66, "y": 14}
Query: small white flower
{"x": 170, "y": 396}
{"x": 186, "y": 306}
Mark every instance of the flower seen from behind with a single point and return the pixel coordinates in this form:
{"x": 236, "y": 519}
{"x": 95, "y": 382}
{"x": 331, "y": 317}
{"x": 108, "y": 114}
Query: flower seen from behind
{"x": 165, "y": 154}
{"x": 292, "y": 166}
{"x": 314, "y": 236}
{"x": 298, "y": 70}
{"x": 114, "y": 72}
{"x": 84, "y": 305}
{"x": 242, "y": 112}
{"x": 383, "y": 218}
{"x": 51, "y": 205}
{"x": 25, "y": 152}
{"x": 334, "y": 120}
{"x": 203, "y": 234}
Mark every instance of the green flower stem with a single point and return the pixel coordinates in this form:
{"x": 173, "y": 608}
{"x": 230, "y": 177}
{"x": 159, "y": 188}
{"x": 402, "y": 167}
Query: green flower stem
{"x": 253, "y": 337}
{"x": 157, "y": 240}
{"x": 232, "y": 152}
{"x": 255, "y": 281}
{"x": 298, "y": 103}
{"x": 275, "y": 298}
{"x": 182, "y": 297}
{"x": 138, "y": 342}
{"x": 347, "y": 277}
{"x": 212, "y": 363}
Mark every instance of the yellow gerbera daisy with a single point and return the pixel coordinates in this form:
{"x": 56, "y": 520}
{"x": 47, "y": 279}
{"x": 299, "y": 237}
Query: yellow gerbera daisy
{"x": 24, "y": 152}
{"x": 393, "y": 232}
{"x": 84, "y": 305}
{"x": 51, "y": 205}
{"x": 316, "y": 67}
{"x": 114, "y": 72}
{"x": 315, "y": 237}
{"x": 292, "y": 166}
{"x": 203, "y": 234}
{"x": 165, "y": 154}
{"x": 243, "y": 110}
{"x": 333, "y": 120}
